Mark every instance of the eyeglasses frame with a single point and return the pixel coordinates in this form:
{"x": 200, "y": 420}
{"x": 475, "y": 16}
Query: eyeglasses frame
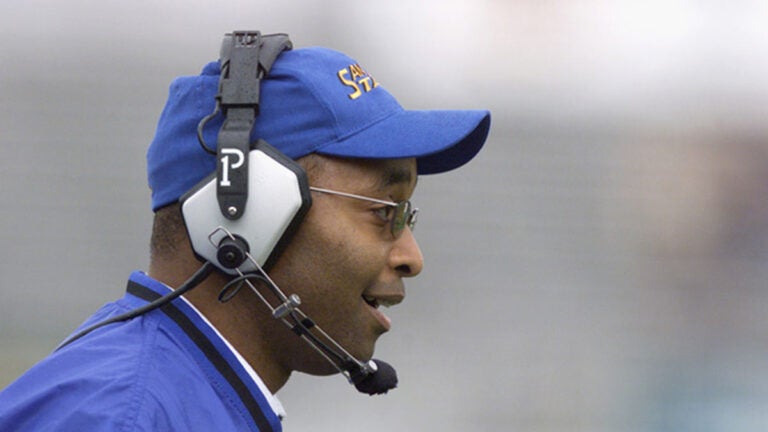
{"x": 404, "y": 211}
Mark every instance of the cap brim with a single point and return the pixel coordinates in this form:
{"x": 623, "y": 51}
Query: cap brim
{"x": 440, "y": 140}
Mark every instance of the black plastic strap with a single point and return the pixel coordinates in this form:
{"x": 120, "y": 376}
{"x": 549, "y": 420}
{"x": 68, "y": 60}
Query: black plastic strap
{"x": 246, "y": 57}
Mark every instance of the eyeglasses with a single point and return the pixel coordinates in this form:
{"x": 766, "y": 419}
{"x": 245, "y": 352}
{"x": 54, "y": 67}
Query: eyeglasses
{"x": 402, "y": 215}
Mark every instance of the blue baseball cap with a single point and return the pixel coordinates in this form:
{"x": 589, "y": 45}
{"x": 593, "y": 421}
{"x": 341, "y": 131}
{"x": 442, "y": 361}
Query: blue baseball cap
{"x": 314, "y": 100}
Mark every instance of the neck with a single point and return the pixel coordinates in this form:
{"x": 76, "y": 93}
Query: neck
{"x": 243, "y": 320}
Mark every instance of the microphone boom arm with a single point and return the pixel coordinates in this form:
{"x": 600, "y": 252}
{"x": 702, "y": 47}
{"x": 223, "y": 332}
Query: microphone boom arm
{"x": 357, "y": 372}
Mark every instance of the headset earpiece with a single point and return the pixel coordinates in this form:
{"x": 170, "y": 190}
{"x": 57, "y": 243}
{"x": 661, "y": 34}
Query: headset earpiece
{"x": 278, "y": 199}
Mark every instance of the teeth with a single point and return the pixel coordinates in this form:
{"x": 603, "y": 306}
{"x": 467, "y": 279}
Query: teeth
{"x": 373, "y": 301}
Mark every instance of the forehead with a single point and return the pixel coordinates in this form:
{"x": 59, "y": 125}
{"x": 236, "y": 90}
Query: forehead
{"x": 374, "y": 174}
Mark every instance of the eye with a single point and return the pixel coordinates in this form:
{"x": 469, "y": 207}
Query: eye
{"x": 384, "y": 213}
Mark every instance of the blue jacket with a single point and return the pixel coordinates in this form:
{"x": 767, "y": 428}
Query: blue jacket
{"x": 166, "y": 370}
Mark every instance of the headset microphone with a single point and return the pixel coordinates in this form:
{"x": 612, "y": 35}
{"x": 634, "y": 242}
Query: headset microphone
{"x": 371, "y": 377}
{"x": 382, "y": 379}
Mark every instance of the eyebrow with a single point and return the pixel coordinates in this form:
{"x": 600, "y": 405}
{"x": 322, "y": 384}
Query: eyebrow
{"x": 394, "y": 176}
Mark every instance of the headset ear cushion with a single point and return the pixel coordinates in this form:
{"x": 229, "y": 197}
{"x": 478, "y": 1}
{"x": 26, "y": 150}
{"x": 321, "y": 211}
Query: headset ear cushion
{"x": 278, "y": 200}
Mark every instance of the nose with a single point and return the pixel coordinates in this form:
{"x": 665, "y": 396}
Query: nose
{"x": 405, "y": 257}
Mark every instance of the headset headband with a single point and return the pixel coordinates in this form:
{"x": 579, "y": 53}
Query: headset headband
{"x": 246, "y": 57}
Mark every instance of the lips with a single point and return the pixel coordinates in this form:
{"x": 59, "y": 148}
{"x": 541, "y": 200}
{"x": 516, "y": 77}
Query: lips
{"x": 386, "y": 300}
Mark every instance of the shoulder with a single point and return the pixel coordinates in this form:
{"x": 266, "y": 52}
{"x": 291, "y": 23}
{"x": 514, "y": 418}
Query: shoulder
{"x": 130, "y": 376}
{"x": 97, "y": 383}
{"x": 152, "y": 372}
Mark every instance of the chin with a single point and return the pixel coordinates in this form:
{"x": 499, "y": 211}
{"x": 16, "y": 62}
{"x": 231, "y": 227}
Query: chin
{"x": 316, "y": 364}
{"x": 320, "y": 367}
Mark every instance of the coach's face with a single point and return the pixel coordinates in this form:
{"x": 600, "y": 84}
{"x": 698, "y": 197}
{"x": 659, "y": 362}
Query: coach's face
{"x": 344, "y": 262}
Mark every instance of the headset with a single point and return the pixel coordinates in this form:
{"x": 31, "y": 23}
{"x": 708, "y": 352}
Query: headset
{"x": 257, "y": 194}
{"x": 240, "y": 218}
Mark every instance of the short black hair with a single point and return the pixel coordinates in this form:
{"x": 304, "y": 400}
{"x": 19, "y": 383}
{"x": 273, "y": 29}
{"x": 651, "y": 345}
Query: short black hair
{"x": 168, "y": 230}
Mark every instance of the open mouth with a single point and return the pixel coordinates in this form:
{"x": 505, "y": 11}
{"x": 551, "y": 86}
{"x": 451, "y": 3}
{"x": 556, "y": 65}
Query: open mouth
{"x": 375, "y": 302}
{"x": 372, "y": 302}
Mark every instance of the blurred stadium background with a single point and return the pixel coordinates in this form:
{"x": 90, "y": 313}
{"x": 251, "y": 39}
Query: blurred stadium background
{"x": 600, "y": 266}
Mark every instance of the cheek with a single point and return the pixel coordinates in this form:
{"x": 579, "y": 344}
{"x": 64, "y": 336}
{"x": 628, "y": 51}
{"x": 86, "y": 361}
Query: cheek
{"x": 345, "y": 264}
{"x": 329, "y": 266}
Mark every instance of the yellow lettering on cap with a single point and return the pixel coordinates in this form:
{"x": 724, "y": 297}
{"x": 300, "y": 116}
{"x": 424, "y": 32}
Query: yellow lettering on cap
{"x": 366, "y": 82}
{"x": 342, "y": 76}
{"x": 357, "y": 71}
{"x": 355, "y": 76}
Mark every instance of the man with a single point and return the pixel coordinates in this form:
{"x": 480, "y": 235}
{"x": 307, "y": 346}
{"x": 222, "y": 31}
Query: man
{"x": 214, "y": 358}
